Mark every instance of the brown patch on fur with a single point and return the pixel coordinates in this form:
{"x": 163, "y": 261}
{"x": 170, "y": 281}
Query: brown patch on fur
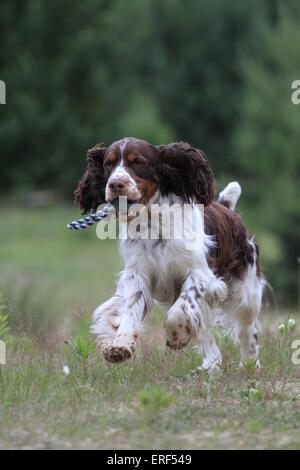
{"x": 147, "y": 188}
{"x": 188, "y": 330}
{"x": 175, "y": 346}
{"x": 186, "y": 173}
{"x": 111, "y": 158}
{"x": 233, "y": 252}
{"x": 89, "y": 193}
{"x": 192, "y": 304}
{"x": 197, "y": 291}
{"x": 131, "y": 157}
{"x": 114, "y": 327}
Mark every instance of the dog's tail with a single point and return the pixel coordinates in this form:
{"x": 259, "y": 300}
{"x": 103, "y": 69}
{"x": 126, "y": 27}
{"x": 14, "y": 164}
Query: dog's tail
{"x": 230, "y": 195}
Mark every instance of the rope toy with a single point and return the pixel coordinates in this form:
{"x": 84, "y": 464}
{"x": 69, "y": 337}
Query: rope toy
{"x": 91, "y": 219}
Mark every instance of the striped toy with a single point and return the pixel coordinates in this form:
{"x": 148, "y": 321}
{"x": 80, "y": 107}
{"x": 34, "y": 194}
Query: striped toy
{"x": 91, "y": 219}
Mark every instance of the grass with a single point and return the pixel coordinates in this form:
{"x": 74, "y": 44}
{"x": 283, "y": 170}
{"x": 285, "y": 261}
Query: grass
{"x": 50, "y": 274}
{"x": 51, "y": 280}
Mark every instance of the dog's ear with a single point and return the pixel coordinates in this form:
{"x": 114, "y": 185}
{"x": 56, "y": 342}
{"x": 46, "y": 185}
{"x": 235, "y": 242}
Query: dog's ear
{"x": 90, "y": 192}
{"x": 185, "y": 172}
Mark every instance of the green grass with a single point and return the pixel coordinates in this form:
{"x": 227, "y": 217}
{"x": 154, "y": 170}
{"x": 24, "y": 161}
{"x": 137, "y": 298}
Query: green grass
{"x": 50, "y": 274}
{"x": 51, "y": 280}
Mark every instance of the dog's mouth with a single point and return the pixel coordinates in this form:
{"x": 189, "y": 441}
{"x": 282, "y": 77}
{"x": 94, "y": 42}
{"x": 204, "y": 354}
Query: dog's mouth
{"x": 120, "y": 204}
{"x": 125, "y": 208}
{"x": 113, "y": 196}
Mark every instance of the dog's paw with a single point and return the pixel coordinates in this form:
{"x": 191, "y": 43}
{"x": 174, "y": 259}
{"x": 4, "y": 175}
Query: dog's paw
{"x": 216, "y": 293}
{"x": 116, "y": 354}
{"x": 121, "y": 349}
{"x": 175, "y": 344}
{"x": 178, "y": 328}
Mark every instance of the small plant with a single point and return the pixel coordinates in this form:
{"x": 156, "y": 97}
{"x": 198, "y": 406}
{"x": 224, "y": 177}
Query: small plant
{"x": 287, "y": 326}
{"x": 82, "y": 346}
{"x": 153, "y": 400}
{"x": 250, "y": 367}
{"x": 252, "y": 392}
{"x": 4, "y": 321}
{"x": 286, "y": 333}
{"x": 255, "y": 394}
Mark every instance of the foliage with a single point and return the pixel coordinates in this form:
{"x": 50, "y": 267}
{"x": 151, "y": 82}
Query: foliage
{"x": 78, "y": 73}
{"x": 216, "y": 74}
{"x": 151, "y": 402}
{"x": 4, "y": 320}
{"x": 267, "y": 139}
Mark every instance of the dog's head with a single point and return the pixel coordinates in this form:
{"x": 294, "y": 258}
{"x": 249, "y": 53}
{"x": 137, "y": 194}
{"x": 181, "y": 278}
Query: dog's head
{"x": 136, "y": 169}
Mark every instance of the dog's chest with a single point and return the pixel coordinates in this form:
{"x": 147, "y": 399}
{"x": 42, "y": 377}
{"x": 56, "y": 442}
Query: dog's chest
{"x": 163, "y": 263}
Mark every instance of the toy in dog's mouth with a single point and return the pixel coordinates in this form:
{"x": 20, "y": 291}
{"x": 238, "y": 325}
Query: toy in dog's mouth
{"x": 119, "y": 204}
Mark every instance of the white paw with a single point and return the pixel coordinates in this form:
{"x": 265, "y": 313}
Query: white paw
{"x": 178, "y": 327}
{"x": 213, "y": 370}
{"x": 211, "y": 363}
{"x": 216, "y": 293}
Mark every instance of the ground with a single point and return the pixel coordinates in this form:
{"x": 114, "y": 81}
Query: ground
{"x": 51, "y": 280}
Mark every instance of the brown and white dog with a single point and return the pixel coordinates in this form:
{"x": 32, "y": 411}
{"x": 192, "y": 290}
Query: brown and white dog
{"x": 221, "y": 278}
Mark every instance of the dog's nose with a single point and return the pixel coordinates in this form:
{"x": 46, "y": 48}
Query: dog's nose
{"x": 117, "y": 185}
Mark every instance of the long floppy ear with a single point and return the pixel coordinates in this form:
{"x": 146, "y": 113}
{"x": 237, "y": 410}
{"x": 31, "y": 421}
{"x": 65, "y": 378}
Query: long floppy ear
{"x": 90, "y": 192}
{"x": 185, "y": 172}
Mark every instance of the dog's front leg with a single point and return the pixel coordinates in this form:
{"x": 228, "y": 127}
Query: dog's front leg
{"x": 106, "y": 321}
{"x": 136, "y": 302}
{"x": 185, "y": 317}
{"x": 189, "y": 317}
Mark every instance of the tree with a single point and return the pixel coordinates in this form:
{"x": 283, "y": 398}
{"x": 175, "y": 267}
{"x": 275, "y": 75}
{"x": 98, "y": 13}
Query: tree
{"x": 267, "y": 141}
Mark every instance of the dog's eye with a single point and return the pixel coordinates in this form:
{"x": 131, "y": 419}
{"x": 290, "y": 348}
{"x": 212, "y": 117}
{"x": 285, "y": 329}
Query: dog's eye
{"x": 138, "y": 163}
{"x": 108, "y": 163}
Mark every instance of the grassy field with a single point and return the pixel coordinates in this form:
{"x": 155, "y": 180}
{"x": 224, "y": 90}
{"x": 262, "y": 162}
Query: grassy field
{"x": 51, "y": 279}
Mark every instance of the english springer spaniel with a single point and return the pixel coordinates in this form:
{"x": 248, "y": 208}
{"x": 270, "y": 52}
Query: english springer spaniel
{"x": 220, "y": 278}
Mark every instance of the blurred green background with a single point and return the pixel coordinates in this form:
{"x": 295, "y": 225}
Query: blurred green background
{"x": 217, "y": 74}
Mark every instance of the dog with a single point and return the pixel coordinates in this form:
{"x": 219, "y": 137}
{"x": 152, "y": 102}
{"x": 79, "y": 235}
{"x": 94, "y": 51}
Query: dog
{"x": 220, "y": 280}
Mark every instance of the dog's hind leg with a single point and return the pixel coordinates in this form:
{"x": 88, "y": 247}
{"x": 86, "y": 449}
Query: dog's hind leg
{"x": 246, "y": 298}
{"x": 210, "y": 352}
